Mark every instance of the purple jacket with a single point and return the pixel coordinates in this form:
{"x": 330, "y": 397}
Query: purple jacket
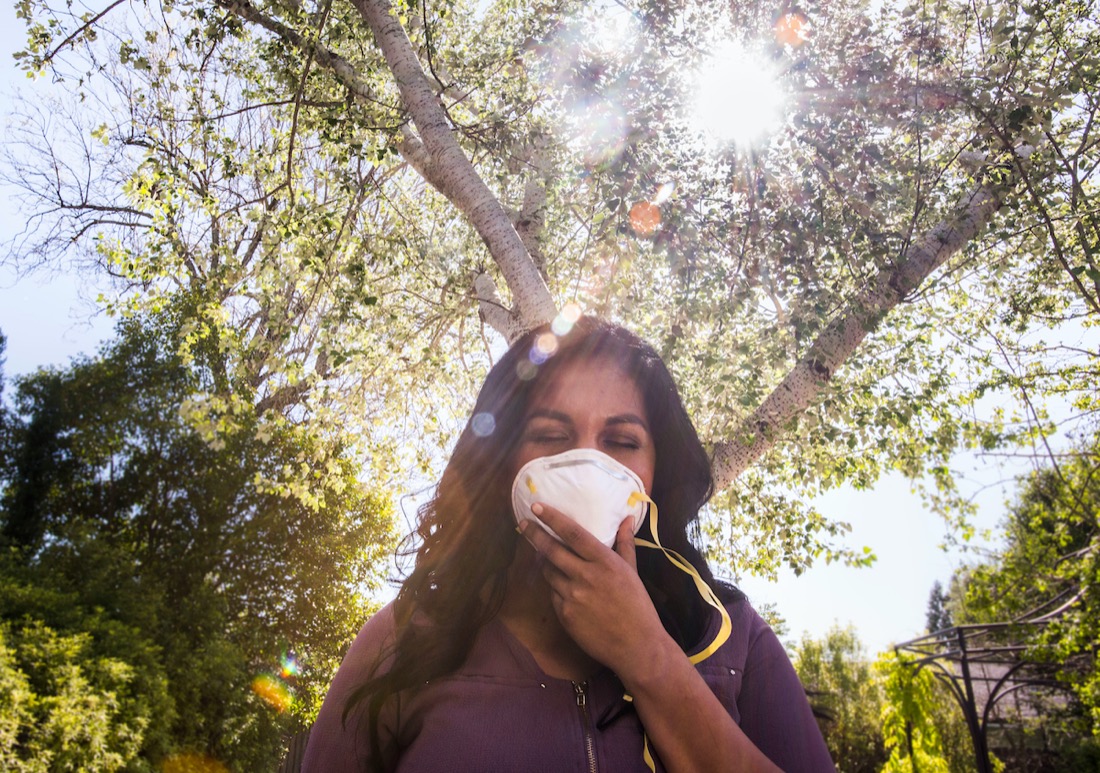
{"x": 500, "y": 712}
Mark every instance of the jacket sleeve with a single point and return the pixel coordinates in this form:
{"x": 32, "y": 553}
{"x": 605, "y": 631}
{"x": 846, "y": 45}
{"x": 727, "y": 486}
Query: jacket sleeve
{"x": 775, "y": 713}
{"x": 336, "y": 747}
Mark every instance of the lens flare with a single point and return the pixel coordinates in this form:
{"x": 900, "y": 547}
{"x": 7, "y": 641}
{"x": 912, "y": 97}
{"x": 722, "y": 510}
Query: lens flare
{"x": 526, "y": 370}
{"x": 645, "y": 218}
{"x": 273, "y": 692}
{"x": 792, "y": 29}
{"x": 289, "y": 666}
{"x": 664, "y": 193}
{"x": 565, "y": 320}
{"x": 191, "y": 762}
{"x": 601, "y": 131}
{"x": 738, "y": 97}
{"x": 483, "y": 424}
{"x": 547, "y": 344}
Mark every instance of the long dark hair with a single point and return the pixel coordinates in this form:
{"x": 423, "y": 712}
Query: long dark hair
{"x": 467, "y": 532}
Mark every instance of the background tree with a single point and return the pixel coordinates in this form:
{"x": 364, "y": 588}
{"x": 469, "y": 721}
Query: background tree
{"x": 837, "y": 672}
{"x": 879, "y": 714}
{"x": 837, "y": 298}
{"x": 204, "y": 607}
{"x": 939, "y": 616}
{"x": 81, "y": 689}
{"x": 922, "y": 727}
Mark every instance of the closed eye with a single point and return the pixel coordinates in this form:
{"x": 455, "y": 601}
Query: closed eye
{"x": 547, "y": 438}
{"x": 629, "y": 443}
{"x": 546, "y": 435}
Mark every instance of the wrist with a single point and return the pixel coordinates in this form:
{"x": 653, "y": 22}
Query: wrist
{"x": 657, "y": 660}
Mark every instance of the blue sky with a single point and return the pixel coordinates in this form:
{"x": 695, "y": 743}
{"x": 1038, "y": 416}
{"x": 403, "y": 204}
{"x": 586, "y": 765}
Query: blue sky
{"x": 48, "y": 319}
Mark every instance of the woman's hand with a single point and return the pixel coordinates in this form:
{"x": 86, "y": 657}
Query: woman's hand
{"x": 601, "y": 602}
{"x": 597, "y": 593}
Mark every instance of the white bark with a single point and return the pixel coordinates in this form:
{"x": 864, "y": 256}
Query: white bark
{"x": 530, "y": 220}
{"x": 805, "y": 382}
{"x": 492, "y": 310}
{"x": 453, "y": 174}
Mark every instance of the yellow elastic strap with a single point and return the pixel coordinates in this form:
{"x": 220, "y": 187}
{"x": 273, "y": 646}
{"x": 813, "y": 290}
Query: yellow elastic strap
{"x": 646, "y": 755}
{"x": 705, "y": 591}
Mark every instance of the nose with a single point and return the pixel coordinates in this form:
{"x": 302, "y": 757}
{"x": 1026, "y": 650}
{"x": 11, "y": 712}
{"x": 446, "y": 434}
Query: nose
{"x": 587, "y": 439}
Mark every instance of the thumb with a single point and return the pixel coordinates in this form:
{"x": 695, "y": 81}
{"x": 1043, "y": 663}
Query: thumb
{"x": 624, "y": 543}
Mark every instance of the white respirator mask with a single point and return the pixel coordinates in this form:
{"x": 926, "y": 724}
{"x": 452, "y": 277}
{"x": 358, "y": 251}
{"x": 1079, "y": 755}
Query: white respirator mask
{"x": 585, "y": 484}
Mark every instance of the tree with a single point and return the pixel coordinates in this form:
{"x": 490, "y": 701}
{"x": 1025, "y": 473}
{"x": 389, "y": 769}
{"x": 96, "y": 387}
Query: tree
{"x": 938, "y": 617}
{"x": 881, "y": 715}
{"x": 846, "y": 693}
{"x": 204, "y": 606}
{"x": 922, "y": 728}
{"x": 320, "y": 191}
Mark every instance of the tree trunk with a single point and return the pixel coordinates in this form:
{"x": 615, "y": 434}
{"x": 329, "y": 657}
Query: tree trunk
{"x": 453, "y": 175}
{"x": 807, "y": 379}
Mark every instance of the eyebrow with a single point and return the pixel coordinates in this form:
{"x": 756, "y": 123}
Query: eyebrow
{"x": 622, "y": 418}
{"x": 545, "y": 413}
{"x": 629, "y": 418}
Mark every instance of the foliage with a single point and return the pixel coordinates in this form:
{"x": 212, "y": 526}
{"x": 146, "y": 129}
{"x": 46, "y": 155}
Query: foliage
{"x": 163, "y": 569}
{"x": 838, "y": 675}
{"x": 1050, "y": 534}
{"x": 867, "y": 710}
{"x": 922, "y": 727}
{"x": 65, "y": 709}
{"x": 253, "y": 169}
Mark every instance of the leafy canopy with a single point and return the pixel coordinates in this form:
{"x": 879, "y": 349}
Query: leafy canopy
{"x": 260, "y": 171}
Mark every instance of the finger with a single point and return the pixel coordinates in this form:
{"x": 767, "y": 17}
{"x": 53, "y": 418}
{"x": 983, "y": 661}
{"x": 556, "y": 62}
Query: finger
{"x": 558, "y": 581}
{"x": 549, "y": 548}
{"x": 572, "y": 534}
{"x": 624, "y": 543}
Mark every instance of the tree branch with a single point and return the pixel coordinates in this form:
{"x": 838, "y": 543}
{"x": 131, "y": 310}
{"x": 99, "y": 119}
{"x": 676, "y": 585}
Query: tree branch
{"x": 491, "y": 310}
{"x": 759, "y": 432}
{"x": 82, "y": 28}
{"x": 530, "y": 221}
{"x": 344, "y": 70}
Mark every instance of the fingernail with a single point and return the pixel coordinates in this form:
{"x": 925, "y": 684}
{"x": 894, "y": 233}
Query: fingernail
{"x": 536, "y": 508}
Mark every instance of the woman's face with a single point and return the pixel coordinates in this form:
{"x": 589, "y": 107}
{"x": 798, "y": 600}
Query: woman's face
{"x": 590, "y": 403}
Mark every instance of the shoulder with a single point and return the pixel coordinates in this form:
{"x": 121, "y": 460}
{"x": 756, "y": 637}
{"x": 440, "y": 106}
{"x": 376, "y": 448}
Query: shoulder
{"x": 368, "y": 656}
{"x": 752, "y": 647}
{"x": 772, "y": 706}
{"x": 374, "y": 638}
{"x": 762, "y": 646}
{"x": 333, "y": 746}
{"x": 750, "y": 638}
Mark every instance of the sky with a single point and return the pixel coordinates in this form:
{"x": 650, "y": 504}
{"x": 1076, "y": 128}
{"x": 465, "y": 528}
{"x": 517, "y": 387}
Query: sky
{"x": 50, "y": 318}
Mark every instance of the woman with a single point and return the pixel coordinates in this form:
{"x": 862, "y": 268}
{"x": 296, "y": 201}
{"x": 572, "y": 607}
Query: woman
{"x": 505, "y": 652}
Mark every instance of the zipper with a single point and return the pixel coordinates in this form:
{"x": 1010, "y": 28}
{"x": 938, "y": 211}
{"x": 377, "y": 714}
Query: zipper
{"x": 581, "y": 691}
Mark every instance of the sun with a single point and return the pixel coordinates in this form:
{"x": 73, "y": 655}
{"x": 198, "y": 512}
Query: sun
{"x": 738, "y": 97}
